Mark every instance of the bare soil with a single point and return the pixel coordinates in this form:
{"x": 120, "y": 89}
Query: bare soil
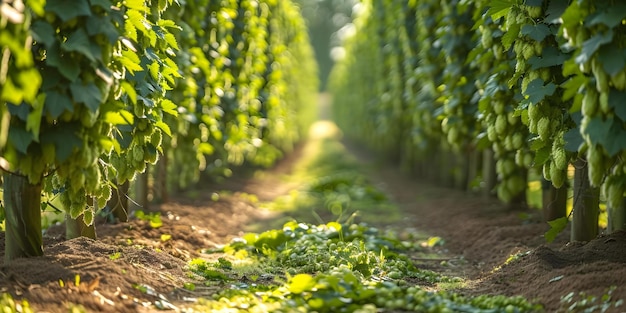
{"x": 132, "y": 268}
{"x": 482, "y": 234}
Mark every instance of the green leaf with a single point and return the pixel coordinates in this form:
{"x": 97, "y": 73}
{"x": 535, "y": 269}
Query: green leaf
{"x": 10, "y": 92}
{"x": 499, "y": 8}
{"x": 510, "y": 36}
{"x": 169, "y": 107}
{"x": 33, "y": 121}
{"x": 598, "y": 129}
{"x": 130, "y": 91}
{"x": 573, "y": 140}
{"x": 617, "y": 101}
{"x": 79, "y": 42}
{"x": 37, "y": 6}
{"x": 550, "y": 56}
{"x": 591, "y": 45}
{"x": 43, "y": 32}
{"x": 611, "y": 17}
{"x": 155, "y": 221}
{"x": 130, "y": 31}
{"x": 571, "y": 87}
{"x": 476, "y": 53}
{"x": 554, "y": 11}
{"x": 75, "y": 212}
{"x": 572, "y": 16}
{"x": 107, "y": 144}
{"x": 137, "y": 19}
{"x": 608, "y": 133}
{"x": 105, "y": 4}
{"x": 615, "y": 143}
{"x": 542, "y": 155}
{"x": 30, "y": 80}
{"x": 537, "y": 32}
{"x": 88, "y": 94}
{"x": 613, "y": 60}
{"x": 56, "y": 103}
{"x": 64, "y": 136}
{"x": 19, "y": 110}
{"x": 124, "y": 136}
{"x": 102, "y": 25}
{"x": 301, "y": 283}
{"x": 63, "y": 63}
{"x": 493, "y": 86}
{"x": 119, "y": 118}
{"x": 155, "y": 70}
{"x": 68, "y": 9}
{"x": 20, "y": 138}
{"x": 130, "y": 61}
{"x": 88, "y": 216}
{"x": 171, "y": 41}
{"x": 162, "y": 4}
{"x": 168, "y": 23}
{"x": 536, "y": 91}
{"x": 164, "y": 127}
{"x": 536, "y": 143}
{"x": 556, "y": 227}
{"x": 138, "y": 5}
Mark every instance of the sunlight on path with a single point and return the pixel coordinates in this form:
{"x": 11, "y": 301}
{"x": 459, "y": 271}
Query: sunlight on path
{"x": 324, "y": 130}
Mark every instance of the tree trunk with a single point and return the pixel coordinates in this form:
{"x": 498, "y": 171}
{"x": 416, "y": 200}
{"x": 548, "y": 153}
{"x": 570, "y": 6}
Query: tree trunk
{"x": 461, "y": 169}
{"x": 22, "y": 202}
{"x": 554, "y": 201}
{"x": 141, "y": 191}
{"x": 448, "y": 166}
{"x": 118, "y": 204}
{"x": 490, "y": 177}
{"x": 75, "y": 228}
{"x": 163, "y": 187}
{"x": 617, "y": 218}
{"x": 434, "y": 165}
{"x": 474, "y": 165}
{"x": 586, "y": 205}
{"x": 407, "y": 161}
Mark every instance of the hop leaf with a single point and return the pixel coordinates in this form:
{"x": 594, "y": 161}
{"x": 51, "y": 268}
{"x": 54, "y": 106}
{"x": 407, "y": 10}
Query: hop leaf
{"x": 556, "y": 227}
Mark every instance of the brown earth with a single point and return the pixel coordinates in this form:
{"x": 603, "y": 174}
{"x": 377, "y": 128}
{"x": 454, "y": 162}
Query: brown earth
{"x": 481, "y": 234}
{"x": 132, "y": 268}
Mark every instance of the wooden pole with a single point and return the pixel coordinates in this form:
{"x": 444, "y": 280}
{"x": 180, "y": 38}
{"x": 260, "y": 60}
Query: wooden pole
{"x": 586, "y": 205}
{"x": 22, "y": 206}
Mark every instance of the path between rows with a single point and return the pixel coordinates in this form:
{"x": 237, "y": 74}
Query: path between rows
{"x": 134, "y": 266}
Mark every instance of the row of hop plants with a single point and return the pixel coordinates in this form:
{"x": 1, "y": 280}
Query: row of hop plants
{"x": 489, "y": 94}
{"x": 94, "y": 93}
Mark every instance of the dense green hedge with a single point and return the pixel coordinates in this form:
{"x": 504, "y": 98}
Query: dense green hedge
{"x": 249, "y": 81}
{"x": 94, "y": 92}
{"x": 539, "y": 83}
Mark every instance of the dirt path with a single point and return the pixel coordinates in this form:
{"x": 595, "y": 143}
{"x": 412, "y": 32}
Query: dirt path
{"x": 137, "y": 266}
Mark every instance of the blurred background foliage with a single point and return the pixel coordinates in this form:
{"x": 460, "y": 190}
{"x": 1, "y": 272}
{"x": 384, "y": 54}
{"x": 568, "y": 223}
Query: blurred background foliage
{"x": 328, "y": 22}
